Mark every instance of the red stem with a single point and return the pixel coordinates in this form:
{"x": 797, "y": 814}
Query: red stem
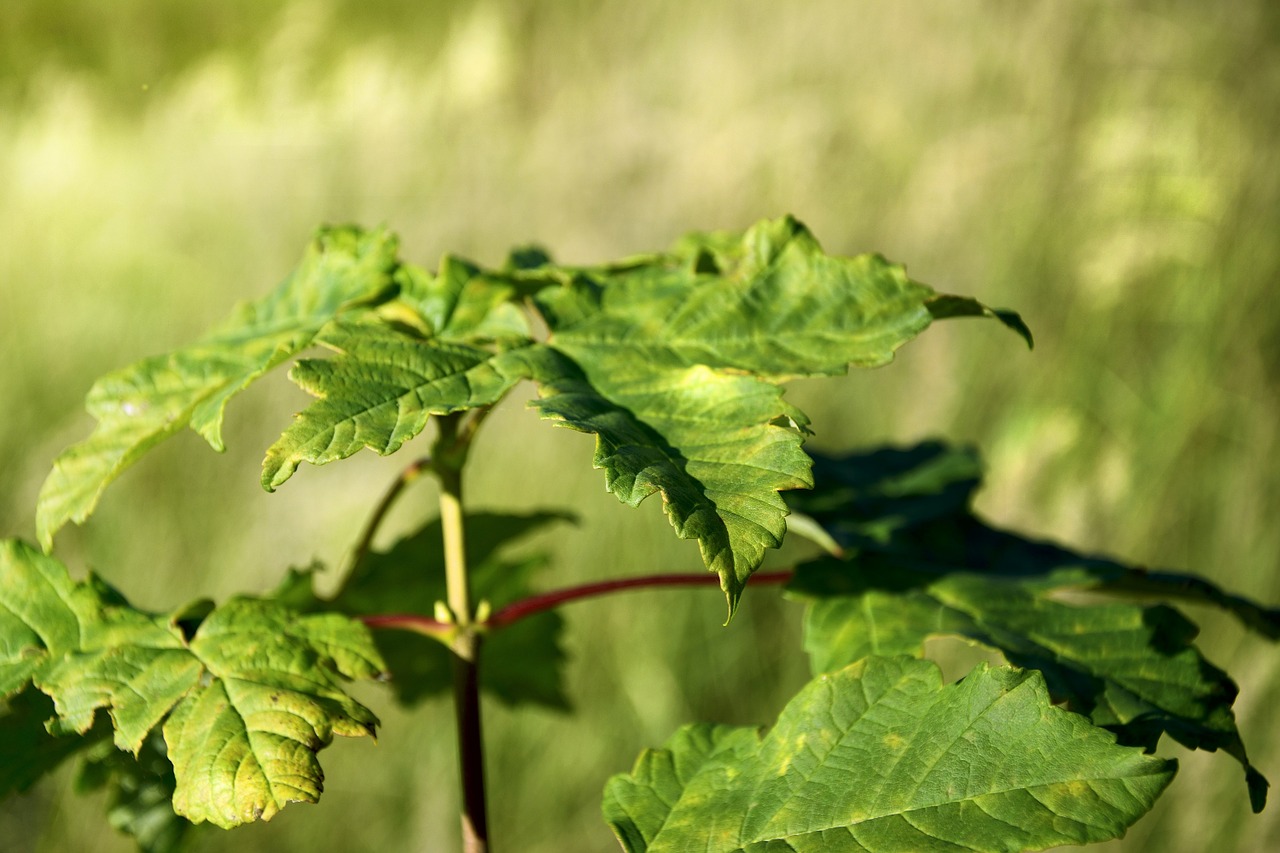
{"x": 535, "y": 604}
{"x": 548, "y": 600}
{"x": 409, "y": 622}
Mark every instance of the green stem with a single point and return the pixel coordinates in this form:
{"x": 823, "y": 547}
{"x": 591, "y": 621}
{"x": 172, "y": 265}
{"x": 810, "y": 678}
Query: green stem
{"x": 457, "y": 582}
{"x": 448, "y": 458}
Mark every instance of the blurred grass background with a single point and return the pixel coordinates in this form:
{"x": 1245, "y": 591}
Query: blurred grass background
{"x": 1112, "y": 171}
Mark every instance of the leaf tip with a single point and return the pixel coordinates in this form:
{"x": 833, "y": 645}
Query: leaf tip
{"x": 44, "y": 535}
{"x": 49, "y": 519}
{"x": 1013, "y": 320}
{"x": 1258, "y": 786}
{"x": 732, "y": 597}
{"x": 942, "y": 306}
{"x": 276, "y": 472}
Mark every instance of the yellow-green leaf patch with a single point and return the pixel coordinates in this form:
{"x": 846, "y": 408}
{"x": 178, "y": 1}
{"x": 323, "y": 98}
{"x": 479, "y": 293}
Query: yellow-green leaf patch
{"x": 246, "y": 702}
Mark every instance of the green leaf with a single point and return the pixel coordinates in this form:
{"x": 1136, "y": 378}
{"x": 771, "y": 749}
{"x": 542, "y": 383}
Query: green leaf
{"x": 671, "y": 361}
{"x": 463, "y": 304}
{"x": 244, "y": 744}
{"x": 944, "y": 307}
{"x": 919, "y": 564}
{"x": 379, "y": 392}
{"x": 775, "y": 305}
{"x": 37, "y": 614}
{"x": 638, "y": 806}
{"x": 705, "y": 440}
{"x": 771, "y": 303}
{"x": 1131, "y": 669}
{"x": 246, "y": 702}
{"x": 881, "y": 756}
{"x": 140, "y": 406}
{"x": 438, "y": 349}
{"x": 523, "y": 663}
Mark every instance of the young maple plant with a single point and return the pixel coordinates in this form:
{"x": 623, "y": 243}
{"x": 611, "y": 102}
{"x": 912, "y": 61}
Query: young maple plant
{"x": 216, "y": 713}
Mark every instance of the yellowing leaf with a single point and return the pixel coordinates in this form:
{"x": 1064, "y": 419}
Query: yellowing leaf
{"x": 246, "y": 702}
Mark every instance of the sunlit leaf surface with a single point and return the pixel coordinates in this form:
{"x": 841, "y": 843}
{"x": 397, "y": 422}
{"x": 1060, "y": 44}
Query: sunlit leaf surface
{"x": 141, "y": 405}
{"x": 246, "y": 701}
{"x": 880, "y": 756}
{"x": 379, "y": 392}
{"x": 918, "y": 564}
{"x": 671, "y": 360}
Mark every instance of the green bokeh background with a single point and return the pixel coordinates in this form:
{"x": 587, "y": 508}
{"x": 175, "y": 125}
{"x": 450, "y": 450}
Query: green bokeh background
{"x": 1110, "y": 170}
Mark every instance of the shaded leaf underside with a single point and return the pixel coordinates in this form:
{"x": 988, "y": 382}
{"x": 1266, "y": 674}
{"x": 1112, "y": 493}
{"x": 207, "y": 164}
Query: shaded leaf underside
{"x": 139, "y": 793}
{"x": 881, "y": 757}
{"x": 27, "y": 753}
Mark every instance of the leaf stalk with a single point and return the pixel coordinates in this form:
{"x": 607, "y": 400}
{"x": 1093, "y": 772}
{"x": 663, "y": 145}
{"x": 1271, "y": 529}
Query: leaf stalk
{"x": 535, "y": 604}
